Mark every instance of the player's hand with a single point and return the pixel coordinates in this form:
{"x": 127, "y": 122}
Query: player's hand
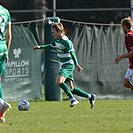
{"x": 36, "y": 47}
{"x": 117, "y": 59}
{"x": 79, "y": 68}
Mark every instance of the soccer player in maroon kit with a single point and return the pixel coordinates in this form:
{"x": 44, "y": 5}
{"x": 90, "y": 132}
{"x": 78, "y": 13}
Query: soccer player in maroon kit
{"x": 127, "y": 28}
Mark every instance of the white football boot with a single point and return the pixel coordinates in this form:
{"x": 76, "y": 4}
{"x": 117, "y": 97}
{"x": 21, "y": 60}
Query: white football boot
{"x": 73, "y": 103}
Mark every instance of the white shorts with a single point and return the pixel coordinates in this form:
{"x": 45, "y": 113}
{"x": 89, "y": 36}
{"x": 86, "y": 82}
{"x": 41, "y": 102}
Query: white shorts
{"x": 129, "y": 75}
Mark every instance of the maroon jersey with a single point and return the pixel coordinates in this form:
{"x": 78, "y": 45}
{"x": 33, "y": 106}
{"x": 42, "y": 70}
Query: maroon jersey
{"x": 129, "y": 43}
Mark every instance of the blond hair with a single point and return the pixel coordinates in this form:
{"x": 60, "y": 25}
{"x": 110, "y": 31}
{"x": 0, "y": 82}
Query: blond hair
{"x": 58, "y": 27}
{"x": 127, "y": 22}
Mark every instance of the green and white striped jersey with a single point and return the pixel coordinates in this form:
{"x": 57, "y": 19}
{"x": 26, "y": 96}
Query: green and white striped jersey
{"x": 63, "y": 47}
{"x": 4, "y": 21}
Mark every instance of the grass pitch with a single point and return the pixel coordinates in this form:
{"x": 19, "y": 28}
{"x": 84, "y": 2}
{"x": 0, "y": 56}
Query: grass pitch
{"x": 108, "y": 116}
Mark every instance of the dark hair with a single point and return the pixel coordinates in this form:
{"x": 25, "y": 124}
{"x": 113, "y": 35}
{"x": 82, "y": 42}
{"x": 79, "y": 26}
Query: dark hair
{"x": 127, "y": 22}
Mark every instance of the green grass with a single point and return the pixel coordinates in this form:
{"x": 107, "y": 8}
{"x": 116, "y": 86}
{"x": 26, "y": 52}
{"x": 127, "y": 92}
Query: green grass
{"x": 108, "y": 116}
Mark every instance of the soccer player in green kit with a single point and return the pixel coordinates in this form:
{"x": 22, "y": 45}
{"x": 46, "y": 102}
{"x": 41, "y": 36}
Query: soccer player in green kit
{"x": 5, "y": 41}
{"x": 68, "y": 62}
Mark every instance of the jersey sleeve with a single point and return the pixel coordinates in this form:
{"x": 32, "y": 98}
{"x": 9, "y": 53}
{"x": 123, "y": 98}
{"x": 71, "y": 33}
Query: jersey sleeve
{"x": 74, "y": 58}
{"x": 68, "y": 45}
{"x": 8, "y": 17}
{"x": 50, "y": 46}
{"x": 46, "y": 47}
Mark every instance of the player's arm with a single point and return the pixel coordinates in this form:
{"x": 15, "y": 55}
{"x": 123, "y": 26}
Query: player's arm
{"x": 42, "y": 47}
{"x": 73, "y": 55}
{"x": 46, "y": 46}
{"x": 127, "y": 55}
{"x": 8, "y": 37}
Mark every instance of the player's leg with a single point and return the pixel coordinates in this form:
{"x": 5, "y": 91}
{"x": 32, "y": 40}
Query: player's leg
{"x": 64, "y": 73}
{"x": 1, "y": 90}
{"x": 128, "y": 81}
{"x": 79, "y": 92}
{"x": 4, "y": 107}
{"x": 61, "y": 82}
{"x": 2, "y": 66}
{"x": 1, "y": 105}
{"x": 131, "y": 82}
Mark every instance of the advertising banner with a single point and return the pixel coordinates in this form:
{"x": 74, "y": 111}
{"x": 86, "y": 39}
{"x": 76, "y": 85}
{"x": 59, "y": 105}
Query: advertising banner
{"x": 22, "y": 78}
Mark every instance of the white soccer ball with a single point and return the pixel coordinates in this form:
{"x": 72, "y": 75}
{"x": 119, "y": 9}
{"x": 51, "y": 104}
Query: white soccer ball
{"x": 23, "y": 105}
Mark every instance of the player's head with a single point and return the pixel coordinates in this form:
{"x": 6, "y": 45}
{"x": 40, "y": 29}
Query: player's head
{"x": 57, "y": 30}
{"x": 126, "y": 24}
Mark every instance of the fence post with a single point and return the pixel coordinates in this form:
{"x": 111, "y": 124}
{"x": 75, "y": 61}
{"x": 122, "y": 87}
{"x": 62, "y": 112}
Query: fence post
{"x": 52, "y": 91}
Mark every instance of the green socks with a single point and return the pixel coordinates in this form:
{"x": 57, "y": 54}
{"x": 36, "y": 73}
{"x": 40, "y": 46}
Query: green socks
{"x": 81, "y": 93}
{"x": 66, "y": 90}
{"x": 1, "y": 92}
{"x": 75, "y": 91}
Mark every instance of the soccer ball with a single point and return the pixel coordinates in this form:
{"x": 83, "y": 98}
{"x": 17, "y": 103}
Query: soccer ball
{"x": 23, "y": 105}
